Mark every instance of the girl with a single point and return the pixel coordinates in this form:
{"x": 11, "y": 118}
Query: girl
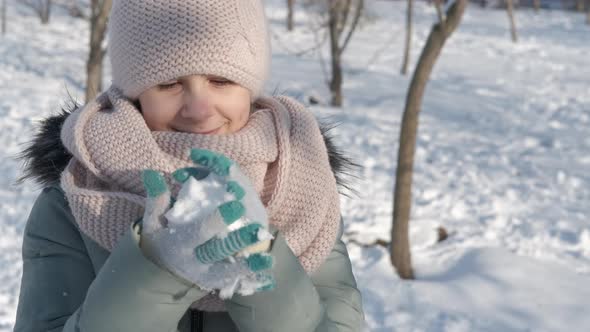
{"x": 119, "y": 241}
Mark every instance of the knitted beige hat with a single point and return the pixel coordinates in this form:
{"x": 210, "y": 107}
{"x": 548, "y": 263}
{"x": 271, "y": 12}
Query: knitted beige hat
{"x": 154, "y": 41}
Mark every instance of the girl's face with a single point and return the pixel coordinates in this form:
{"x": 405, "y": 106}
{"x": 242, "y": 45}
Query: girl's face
{"x": 199, "y": 104}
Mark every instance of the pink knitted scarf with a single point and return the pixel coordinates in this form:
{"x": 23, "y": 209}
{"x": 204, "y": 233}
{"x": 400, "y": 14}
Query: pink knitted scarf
{"x": 280, "y": 149}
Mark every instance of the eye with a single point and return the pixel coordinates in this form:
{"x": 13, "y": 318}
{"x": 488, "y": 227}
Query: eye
{"x": 168, "y": 86}
{"x": 220, "y": 81}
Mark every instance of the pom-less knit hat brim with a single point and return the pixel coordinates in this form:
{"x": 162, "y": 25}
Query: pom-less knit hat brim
{"x": 151, "y": 42}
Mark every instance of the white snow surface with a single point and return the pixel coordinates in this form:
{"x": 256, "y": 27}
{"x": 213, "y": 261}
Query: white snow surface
{"x": 502, "y": 159}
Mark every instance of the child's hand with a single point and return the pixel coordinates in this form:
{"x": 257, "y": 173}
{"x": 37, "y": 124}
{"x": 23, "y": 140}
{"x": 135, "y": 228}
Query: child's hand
{"x": 214, "y": 233}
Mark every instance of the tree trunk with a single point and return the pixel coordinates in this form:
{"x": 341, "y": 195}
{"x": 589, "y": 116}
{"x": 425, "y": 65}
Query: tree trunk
{"x": 290, "y": 5}
{"x": 537, "y": 5}
{"x": 400, "y": 244}
{"x": 510, "y": 9}
{"x": 338, "y": 17}
{"x": 336, "y": 80}
{"x": 44, "y": 11}
{"x": 588, "y": 12}
{"x": 98, "y": 25}
{"x": 75, "y": 10}
{"x": 580, "y": 5}
{"x": 3, "y": 17}
{"x": 408, "y": 46}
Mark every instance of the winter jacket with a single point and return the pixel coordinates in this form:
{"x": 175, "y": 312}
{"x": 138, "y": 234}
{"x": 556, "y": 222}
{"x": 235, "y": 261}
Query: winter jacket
{"x": 70, "y": 283}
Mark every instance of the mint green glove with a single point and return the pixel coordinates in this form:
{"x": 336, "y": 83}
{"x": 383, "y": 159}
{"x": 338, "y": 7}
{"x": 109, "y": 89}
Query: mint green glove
{"x": 206, "y": 235}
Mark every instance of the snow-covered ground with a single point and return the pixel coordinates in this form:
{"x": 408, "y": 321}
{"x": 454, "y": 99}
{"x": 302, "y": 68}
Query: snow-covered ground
{"x": 502, "y": 160}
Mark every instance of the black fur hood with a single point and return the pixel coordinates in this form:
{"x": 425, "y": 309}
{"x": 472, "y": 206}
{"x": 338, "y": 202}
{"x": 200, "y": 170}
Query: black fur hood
{"x": 44, "y": 157}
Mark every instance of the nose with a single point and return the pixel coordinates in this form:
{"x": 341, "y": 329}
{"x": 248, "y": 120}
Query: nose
{"x": 197, "y": 103}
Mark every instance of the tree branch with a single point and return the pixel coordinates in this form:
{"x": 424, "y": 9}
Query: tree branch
{"x": 357, "y": 16}
{"x": 454, "y": 12}
{"x": 377, "y": 242}
{"x": 345, "y": 12}
{"x": 439, "y": 12}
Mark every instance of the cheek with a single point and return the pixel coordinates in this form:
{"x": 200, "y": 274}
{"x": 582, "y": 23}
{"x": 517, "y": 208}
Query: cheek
{"x": 239, "y": 114}
{"x": 158, "y": 113}
{"x": 244, "y": 113}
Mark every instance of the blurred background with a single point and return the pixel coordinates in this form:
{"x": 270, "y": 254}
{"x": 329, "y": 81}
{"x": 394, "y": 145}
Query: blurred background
{"x": 486, "y": 103}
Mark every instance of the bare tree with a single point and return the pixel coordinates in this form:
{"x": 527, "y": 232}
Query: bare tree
{"x": 41, "y": 7}
{"x": 439, "y": 11}
{"x": 510, "y": 9}
{"x": 400, "y": 244}
{"x": 339, "y": 14}
{"x": 74, "y": 9}
{"x": 588, "y": 12}
{"x": 3, "y": 17}
{"x": 408, "y": 46}
{"x": 290, "y": 9}
{"x": 45, "y": 11}
{"x": 580, "y": 5}
{"x": 98, "y": 25}
{"x": 537, "y": 5}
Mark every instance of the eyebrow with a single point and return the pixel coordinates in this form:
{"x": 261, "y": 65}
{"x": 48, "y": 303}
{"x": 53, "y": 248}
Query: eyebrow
{"x": 217, "y": 77}
{"x": 168, "y": 82}
{"x": 210, "y": 76}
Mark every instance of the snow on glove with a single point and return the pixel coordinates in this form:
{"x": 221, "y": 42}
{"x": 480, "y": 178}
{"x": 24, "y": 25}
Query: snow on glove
{"x": 215, "y": 233}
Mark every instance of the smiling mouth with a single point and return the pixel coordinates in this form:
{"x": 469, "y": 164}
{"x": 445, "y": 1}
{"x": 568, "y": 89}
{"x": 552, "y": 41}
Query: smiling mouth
{"x": 210, "y": 132}
{"x": 207, "y": 132}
